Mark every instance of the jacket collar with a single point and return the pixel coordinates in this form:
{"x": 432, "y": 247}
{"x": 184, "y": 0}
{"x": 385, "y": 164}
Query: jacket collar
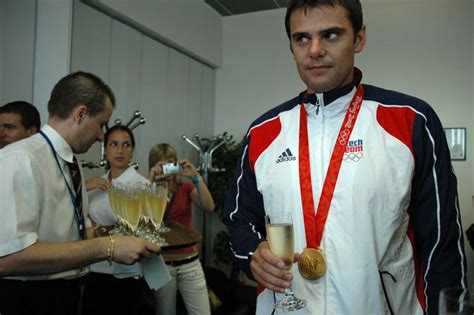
{"x": 332, "y": 95}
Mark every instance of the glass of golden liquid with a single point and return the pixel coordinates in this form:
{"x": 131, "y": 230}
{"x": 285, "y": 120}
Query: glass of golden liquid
{"x": 114, "y": 193}
{"x": 156, "y": 200}
{"x": 144, "y": 220}
{"x": 280, "y": 235}
{"x": 131, "y": 207}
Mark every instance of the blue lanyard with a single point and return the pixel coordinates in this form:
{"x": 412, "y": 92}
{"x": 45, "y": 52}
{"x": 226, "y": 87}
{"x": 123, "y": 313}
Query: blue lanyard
{"x": 77, "y": 212}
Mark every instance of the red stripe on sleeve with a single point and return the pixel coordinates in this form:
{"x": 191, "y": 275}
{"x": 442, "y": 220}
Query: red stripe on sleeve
{"x": 260, "y": 139}
{"x": 398, "y": 121}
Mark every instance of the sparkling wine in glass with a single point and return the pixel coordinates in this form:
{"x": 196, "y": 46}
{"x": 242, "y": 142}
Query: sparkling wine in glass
{"x": 133, "y": 208}
{"x": 114, "y": 192}
{"x": 143, "y": 229}
{"x": 156, "y": 200}
{"x": 280, "y": 235}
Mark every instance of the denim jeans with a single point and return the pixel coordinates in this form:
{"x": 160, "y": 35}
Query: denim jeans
{"x": 189, "y": 279}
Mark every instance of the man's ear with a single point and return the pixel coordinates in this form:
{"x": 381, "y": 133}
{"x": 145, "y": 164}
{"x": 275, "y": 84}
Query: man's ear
{"x": 79, "y": 113}
{"x": 360, "y": 40}
{"x": 31, "y": 131}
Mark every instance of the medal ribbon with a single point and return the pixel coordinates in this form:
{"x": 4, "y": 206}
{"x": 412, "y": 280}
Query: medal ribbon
{"x": 314, "y": 222}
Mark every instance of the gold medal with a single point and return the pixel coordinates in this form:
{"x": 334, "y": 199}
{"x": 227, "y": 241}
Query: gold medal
{"x": 312, "y": 263}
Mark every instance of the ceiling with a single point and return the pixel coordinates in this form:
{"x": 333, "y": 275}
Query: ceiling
{"x": 233, "y": 7}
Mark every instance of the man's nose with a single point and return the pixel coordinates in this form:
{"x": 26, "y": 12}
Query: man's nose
{"x": 317, "y": 49}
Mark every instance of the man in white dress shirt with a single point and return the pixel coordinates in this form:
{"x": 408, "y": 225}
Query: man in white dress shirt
{"x": 44, "y": 247}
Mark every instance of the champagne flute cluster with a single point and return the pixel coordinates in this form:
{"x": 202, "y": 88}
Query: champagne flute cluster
{"x": 139, "y": 209}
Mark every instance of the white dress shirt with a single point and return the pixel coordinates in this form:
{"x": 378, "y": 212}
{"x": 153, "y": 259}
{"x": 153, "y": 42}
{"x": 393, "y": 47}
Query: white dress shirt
{"x": 35, "y": 202}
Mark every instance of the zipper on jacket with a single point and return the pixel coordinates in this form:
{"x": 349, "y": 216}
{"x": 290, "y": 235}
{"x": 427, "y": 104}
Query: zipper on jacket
{"x": 319, "y": 102}
{"x": 381, "y": 273}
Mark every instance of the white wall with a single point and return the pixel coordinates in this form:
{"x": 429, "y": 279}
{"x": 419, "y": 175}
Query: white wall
{"x": 423, "y": 48}
{"x": 17, "y": 40}
{"x": 258, "y": 71}
{"x": 173, "y": 91}
{"x": 189, "y": 25}
{"x": 52, "y": 49}
{"x": 34, "y": 49}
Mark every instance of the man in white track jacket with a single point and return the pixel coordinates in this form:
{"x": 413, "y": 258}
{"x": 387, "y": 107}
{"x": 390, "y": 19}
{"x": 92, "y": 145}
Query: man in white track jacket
{"x": 366, "y": 173}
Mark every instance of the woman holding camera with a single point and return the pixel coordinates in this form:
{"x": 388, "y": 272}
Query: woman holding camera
{"x": 186, "y": 187}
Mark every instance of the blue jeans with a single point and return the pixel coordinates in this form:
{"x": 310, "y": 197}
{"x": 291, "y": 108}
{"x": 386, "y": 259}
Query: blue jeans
{"x": 189, "y": 279}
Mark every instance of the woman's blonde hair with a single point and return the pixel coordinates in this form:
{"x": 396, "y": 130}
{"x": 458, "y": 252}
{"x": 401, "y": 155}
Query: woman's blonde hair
{"x": 160, "y": 151}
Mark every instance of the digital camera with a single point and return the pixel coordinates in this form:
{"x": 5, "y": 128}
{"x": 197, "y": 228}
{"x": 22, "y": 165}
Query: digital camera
{"x": 171, "y": 168}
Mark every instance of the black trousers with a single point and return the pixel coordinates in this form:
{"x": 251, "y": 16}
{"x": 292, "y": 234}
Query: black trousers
{"x": 105, "y": 294}
{"x": 49, "y": 297}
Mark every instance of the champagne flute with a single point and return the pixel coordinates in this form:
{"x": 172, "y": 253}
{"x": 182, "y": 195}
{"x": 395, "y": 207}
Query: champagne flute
{"x": 132, "y": 208}
{"x": 114, "y": 200}
{"x": 143, "y": 230}
{"x": 156, "y": 200}
{"x": 280, "y": 235}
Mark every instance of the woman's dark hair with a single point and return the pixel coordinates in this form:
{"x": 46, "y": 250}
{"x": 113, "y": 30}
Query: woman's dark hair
{"x": 122, "y": 128}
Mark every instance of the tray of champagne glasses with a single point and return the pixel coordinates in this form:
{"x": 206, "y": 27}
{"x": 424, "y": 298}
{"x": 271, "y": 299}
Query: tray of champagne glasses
{"x": 140, "y": 209}
{"x": 174, "y": 235}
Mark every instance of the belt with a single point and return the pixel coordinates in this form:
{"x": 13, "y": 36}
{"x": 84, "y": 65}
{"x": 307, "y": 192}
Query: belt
{"x": 180, "y": 262}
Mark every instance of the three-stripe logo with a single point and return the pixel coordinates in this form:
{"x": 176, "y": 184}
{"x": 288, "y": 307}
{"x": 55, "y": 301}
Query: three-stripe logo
{"x": 286, "y": 156}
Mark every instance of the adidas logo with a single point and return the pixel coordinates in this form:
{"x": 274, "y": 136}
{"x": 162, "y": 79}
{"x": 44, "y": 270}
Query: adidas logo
{"x": 286, "y": 156}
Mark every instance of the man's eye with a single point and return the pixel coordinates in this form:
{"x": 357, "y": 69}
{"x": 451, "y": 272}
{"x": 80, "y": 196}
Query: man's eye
{"x": 302, "y": 39}
{"x": 127, "y": 145}
{"x": 113, "y": 144}
{"x": 331, "y": 35}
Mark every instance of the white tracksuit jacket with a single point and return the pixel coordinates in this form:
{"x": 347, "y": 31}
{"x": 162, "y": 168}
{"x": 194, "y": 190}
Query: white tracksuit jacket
{"x": 393, "y": 236}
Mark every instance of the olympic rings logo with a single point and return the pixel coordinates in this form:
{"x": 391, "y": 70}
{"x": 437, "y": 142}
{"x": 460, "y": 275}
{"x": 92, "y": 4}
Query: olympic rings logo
{"x": 343, "y": 136}
{"x": 353, "y": 156}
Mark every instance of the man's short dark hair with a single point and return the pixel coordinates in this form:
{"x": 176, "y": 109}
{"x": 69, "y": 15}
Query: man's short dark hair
{"x": 29, "y": 114}
{"x": 353, "y": 8}
{"x": 79, "y": 88}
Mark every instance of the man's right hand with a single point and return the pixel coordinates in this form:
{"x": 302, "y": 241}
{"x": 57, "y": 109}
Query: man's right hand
{"x": 129, "y": 249}
{"x": 269, "y": 270}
